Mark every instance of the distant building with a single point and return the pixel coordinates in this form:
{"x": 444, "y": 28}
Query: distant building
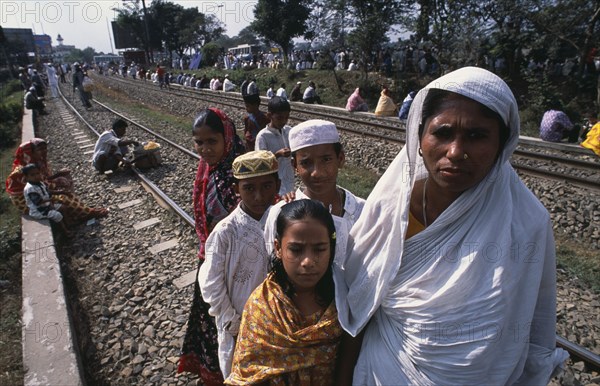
{"x": 20, "y": 46}
{"x": 43, "y": 44}
{"x": 62, "y": 50}
{"x": 21, "y": 37}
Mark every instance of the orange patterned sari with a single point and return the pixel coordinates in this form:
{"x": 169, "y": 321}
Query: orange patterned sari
{"x": 280, "y": 346}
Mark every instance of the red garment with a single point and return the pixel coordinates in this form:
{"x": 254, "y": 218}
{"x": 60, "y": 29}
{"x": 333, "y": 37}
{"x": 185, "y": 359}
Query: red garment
{"x": 591, "y": 54}
{"x": 15, "y": 183}
{"x": 213, "y": 196}
{"x": 253, "y": 123}
{"x": 213, "y": 199}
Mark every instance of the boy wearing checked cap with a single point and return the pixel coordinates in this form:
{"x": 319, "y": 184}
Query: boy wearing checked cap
{"x": 236, "y": 258}
{"x": 317, "y": 156}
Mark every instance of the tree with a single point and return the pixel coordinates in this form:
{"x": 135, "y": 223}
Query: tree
{"x": 88, "y": 54}
{"x": 174, "y": 26}
{"x": 570, "y": 22}
{"x": 165, "y": 19}
{"x": 280, "y": 21}
{"x": 463, "y": 31}
{"x": 328, "y": 22}
{"x": 247, "y": 36}
{"x": 373, "y": 20}
{"x": 171, "y": 26}
{"x": 210, "y": 53}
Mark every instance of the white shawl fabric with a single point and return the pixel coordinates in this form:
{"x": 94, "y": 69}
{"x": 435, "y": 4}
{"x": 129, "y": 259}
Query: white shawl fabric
{"x": 470, "y": 299}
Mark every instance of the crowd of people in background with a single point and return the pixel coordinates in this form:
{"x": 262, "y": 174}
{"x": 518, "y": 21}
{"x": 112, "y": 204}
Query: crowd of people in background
{"x": 406, "y": 58}
{"x": 555, "y": 124}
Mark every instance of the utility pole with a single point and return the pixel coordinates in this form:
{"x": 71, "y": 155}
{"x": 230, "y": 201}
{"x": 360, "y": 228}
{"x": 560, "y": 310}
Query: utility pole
{"x": 149, "y": 54}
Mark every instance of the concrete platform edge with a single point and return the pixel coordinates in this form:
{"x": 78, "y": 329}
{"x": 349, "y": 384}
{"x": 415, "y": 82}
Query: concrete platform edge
{"x": 50, "y": 353}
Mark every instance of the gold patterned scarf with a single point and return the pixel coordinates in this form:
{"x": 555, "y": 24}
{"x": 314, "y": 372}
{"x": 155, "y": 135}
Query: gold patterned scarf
{"x": 279, "y": 345}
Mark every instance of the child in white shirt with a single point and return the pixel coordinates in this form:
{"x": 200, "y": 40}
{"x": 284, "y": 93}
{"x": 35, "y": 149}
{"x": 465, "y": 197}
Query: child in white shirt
{"x": 236, "y": 259}
{"x": 275, "y": 138}
{"x": 38, "y": 197}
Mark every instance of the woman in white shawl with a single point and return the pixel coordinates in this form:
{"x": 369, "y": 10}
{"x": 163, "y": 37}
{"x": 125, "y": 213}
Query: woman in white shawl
{"x": 451, "y": 278}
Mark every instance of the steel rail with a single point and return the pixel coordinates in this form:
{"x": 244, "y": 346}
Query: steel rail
{"x": 582, "y": 182}
{"x": 594, "y": 166}
{"x": 538, "y": 172}
{"x": 152, "y": 132}
{"x": 161, "y": 194}
{"x": 77, "y": 112}
{"x": 390, "y": 126}
{"x": 591, "y": 360}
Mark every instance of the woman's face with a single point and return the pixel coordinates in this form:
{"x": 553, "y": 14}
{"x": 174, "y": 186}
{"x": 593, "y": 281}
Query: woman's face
{"x": 209, "y": 144}
{"x": 459, "y": 127}
{"x": 305, "y": 250}
{"x": 39, "y": 152}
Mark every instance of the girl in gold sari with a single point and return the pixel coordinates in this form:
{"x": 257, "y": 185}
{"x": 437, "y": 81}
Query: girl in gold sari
{"x": 290, "y": 333}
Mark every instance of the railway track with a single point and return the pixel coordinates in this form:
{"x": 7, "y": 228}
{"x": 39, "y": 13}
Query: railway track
{"x": 571, "y": 169}
{"x": 591, "y": 360}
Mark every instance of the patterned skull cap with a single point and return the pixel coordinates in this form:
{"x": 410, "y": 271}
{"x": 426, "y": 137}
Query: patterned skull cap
{"x": 313, "y": 132}
{"x": 254, "y": 164}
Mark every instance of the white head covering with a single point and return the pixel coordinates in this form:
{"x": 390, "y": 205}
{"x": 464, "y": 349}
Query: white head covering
{"x": 313, "y": 132}
{"x": 444, "y": 275}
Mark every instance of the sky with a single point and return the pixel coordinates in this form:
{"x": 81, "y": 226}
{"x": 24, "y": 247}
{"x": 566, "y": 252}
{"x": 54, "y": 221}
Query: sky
{"x": 86, "y": 23}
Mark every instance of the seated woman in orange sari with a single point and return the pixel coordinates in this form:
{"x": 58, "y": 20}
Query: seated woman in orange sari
{"x": 290, "y": 333}
{"x": 36, "y": 151}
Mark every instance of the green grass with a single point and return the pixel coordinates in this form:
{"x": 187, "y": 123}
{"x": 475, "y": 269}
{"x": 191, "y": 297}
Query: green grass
{"x": 11, "y": 362}
{"x": 579, "y": 261}
{"x": 358, "y": 180}
{"x": 150, "y": 113}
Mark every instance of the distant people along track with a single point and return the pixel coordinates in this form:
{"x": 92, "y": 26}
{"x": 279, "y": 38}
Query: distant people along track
{"x": 541, "y": 163}
{"x": 181, "y": 160}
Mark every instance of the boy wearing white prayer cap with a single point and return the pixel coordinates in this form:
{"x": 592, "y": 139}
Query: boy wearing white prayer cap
{"x": 317, "y": 155}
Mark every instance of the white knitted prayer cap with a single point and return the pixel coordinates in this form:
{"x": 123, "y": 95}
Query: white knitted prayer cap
{"x": 313, "y": 132}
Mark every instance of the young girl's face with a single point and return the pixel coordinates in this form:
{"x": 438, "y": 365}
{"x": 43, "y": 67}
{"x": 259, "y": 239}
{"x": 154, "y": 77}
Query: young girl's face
{"x": 305, "y": 251}
{"x": 209, "y": 144}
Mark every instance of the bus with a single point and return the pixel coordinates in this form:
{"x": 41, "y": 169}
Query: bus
{"x": 100, "y": 59}
{"x": 245, "y": 51}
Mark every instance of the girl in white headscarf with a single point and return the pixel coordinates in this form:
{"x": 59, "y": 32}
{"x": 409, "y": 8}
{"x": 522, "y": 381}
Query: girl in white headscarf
{"x": 451, "y": 275}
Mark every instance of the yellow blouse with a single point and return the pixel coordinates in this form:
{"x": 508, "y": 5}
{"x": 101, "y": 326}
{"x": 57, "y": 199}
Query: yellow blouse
{"x": 414, "y": 226}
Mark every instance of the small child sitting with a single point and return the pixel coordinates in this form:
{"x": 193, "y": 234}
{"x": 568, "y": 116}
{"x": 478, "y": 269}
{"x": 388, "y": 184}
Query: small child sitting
{"x": 236, "y": 258}
{"x": 38, "y": 197}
